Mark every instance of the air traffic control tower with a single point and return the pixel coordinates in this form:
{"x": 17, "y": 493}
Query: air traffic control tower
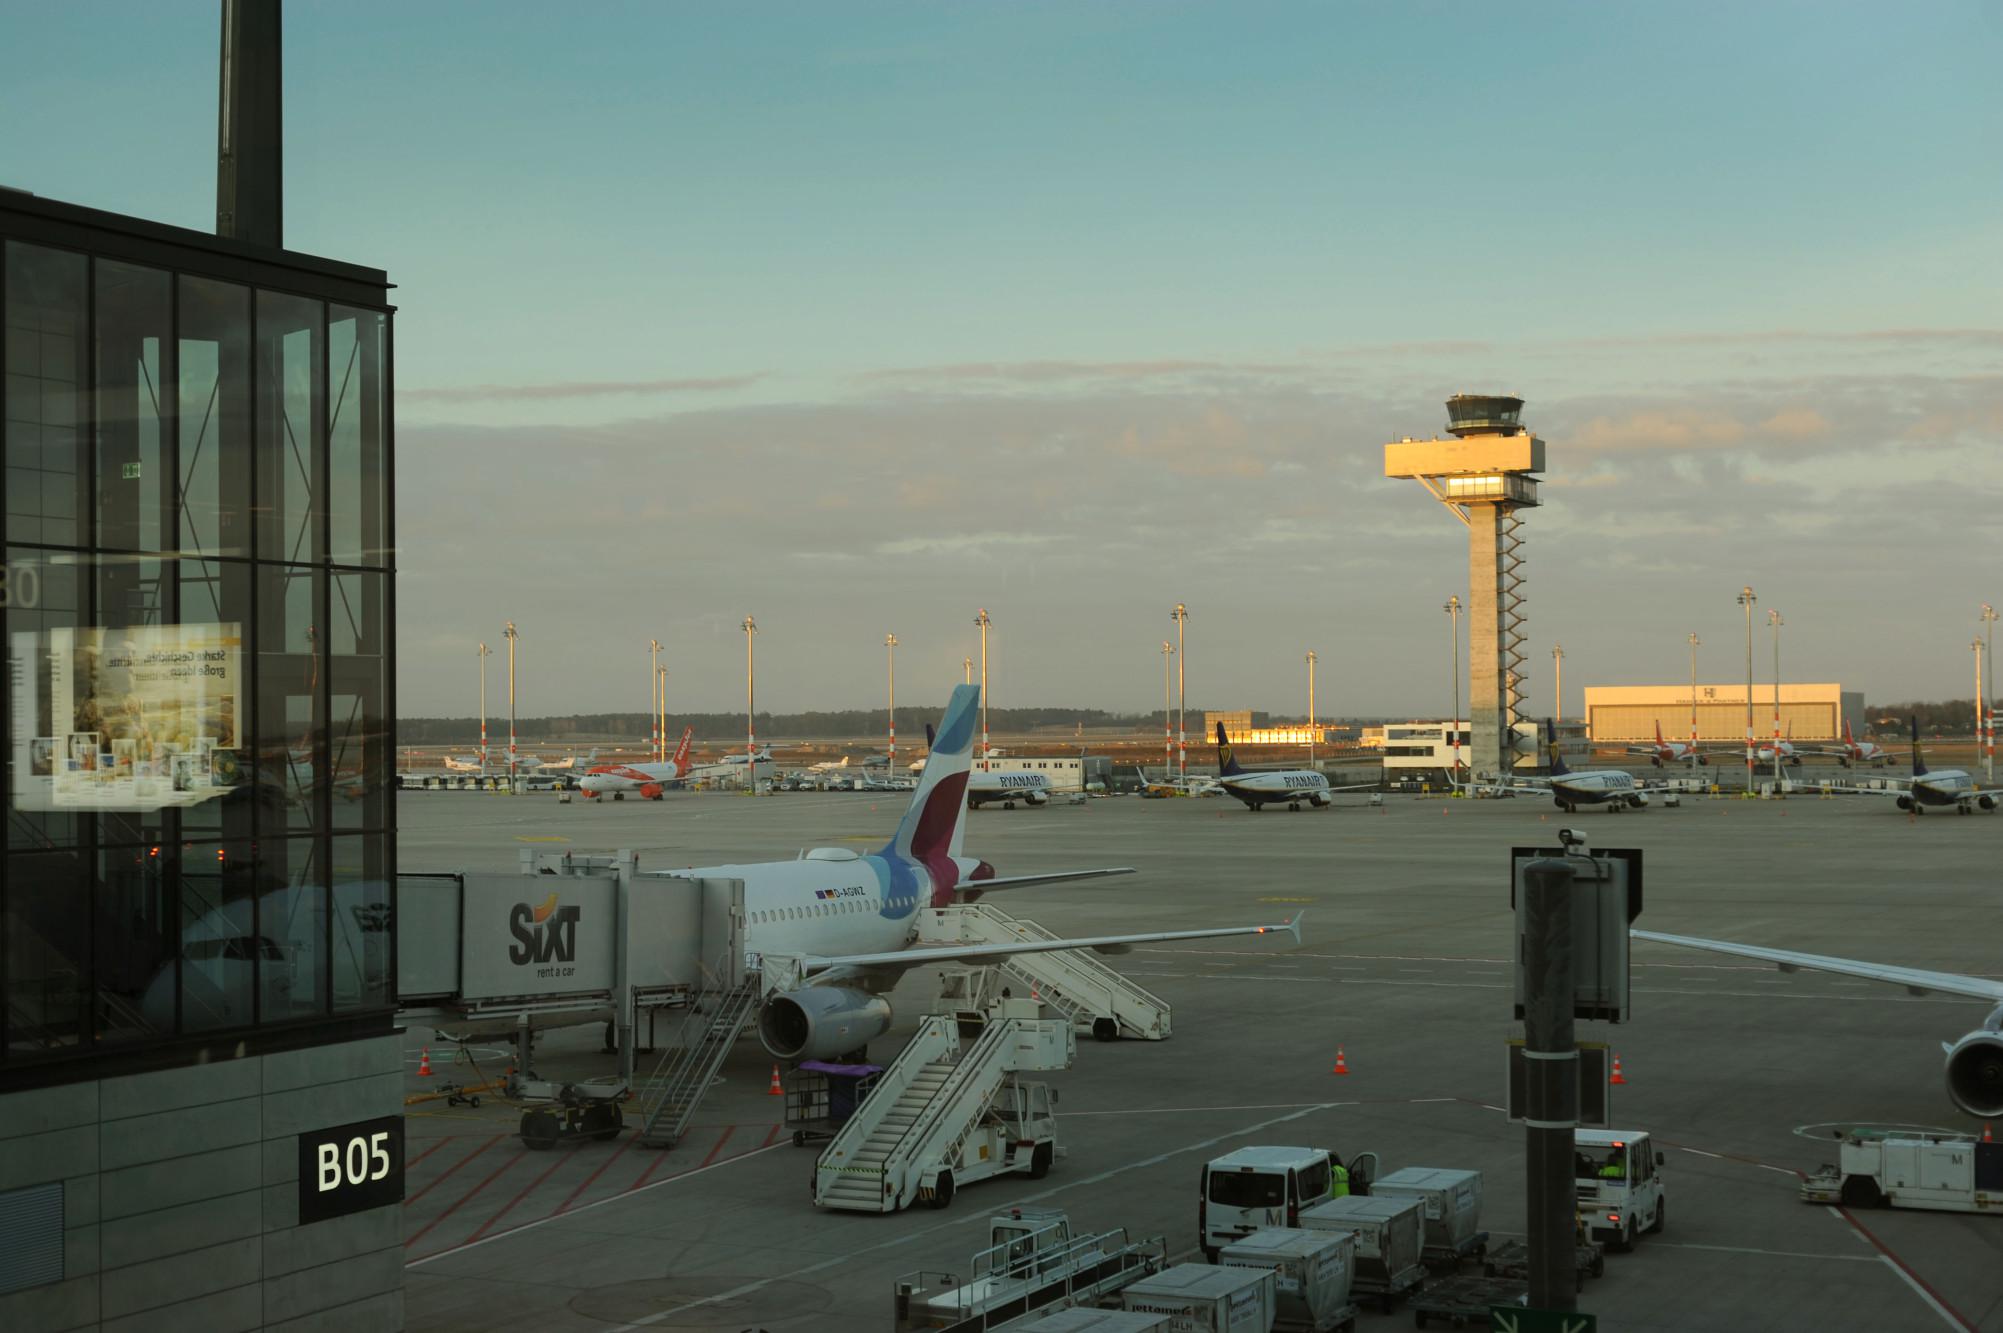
{"x": 1483, "y": 474}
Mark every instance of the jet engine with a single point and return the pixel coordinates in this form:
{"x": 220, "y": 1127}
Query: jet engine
{"x": 1905, "y": 803}
{"x": 1975, "y": 1073}
{"x": 1037, "y": 797}
{"x": 1637, "y": 799}
{"x": 821, "y": 1022}
{"x": 1987, "y": 802}
{"x": 650, "y": 791}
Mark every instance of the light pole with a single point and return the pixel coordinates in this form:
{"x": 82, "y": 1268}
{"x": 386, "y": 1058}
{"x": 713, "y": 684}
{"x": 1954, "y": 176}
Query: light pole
{"x": 1746, "y": 599}
{"x": 1167, "y": 710}
{"x": 1695, "y": 644}
{"x": 1988, "y": 619}
{"x": 967, "y": 670}
{"x": 485, "y": 653}
{"x": 1976, "y": 644}
{"x": 890, "y": 646}
{"x": 1453, "y": 610}
{"x": 1311, "y": 662}
{"x": 661, "y": 683}
{"x": 509, "y": 632}
{"x": 750, "y": 705}
{"x": 1181, "y": 618}
{"x": 983, "y": 622}
{"x": 654, "y": 697}
{"x": 1557, "y": 683}
{"x": 1773, "y": 618}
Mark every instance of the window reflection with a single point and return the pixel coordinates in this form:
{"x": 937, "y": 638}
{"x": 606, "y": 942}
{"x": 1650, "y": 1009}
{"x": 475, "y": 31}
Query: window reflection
{"x": 362, "y": 922}
{"x": 45, "y": 365}
{"x": 214, "y": 375}
{"x": 357, "y": 355}
{"x": 289, "y": 367}
{"x": 134, "y": 354}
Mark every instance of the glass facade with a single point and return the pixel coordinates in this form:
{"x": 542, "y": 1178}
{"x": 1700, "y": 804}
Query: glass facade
{"x": 197, "y": 598}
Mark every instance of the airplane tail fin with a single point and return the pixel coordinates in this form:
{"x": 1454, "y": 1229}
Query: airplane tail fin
{"x": 1658, "y": 733}
{"x": 1848, "y": 739}
{"x": 1919, "y": 760}
{"x": 1227, "y": 762}
{"x": 930, "y": 828}
{"x": 1558, "y": 769}
{"x": 682, "y": 751}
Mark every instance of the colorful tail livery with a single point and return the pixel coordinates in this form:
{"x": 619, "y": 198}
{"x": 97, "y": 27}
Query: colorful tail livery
{"x": 1558, "y": 769}
{"x": 930, "y": 826}
{"x": 1227, "y": 763}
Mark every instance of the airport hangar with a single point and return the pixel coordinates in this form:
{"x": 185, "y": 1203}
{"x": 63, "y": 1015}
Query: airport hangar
{"x": 1808, "y": 712}
{"x": 197, "y": 526}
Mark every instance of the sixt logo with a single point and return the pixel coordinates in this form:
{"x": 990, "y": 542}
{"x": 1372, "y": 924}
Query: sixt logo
{"x": 543, "y": 934}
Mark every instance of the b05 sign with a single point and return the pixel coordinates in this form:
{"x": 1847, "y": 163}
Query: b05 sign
{"x": 350, "y": 1168}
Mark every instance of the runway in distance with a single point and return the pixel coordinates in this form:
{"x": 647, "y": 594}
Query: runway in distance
{"x": 1257, "y": 787}
{"x": 1974, "y": 1063}
{"x": 834, "y": 929}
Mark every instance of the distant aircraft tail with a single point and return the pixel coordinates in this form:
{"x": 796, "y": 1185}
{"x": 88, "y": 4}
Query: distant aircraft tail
{"x": 930, "y": 829}
{"x": 1848, "y": 739}
{"x": 1919, "y": 760}
{"x": 681, "y": 759}
{"x": 1659, "y": 742}
{"x": 1227, "y": 762}
{"x": 1558, "y": 769}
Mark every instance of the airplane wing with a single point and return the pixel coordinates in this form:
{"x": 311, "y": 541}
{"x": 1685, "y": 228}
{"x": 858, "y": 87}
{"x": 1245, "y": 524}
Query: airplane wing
{"x": 1915, "y": 980}
{"x": 1357, "y": 786}
{"x": 1053, "y": 877}
{"x": 989, "y": 953}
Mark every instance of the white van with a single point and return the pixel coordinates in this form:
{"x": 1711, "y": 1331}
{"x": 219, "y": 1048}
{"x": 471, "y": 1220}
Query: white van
{"x": 1619, "y": 1186}
{"x": 1254, "y": 1188}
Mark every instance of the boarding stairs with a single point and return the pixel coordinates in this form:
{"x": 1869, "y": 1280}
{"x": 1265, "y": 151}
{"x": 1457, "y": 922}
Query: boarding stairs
{"x": 670, "y": 1095}
{"x": 928, "y": 1104}
{"x": 1074, "y": 982}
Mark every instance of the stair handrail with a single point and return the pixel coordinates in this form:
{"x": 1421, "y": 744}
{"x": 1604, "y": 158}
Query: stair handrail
{"x": 888, "y": 1089}
{"x": 974, "y": 1058}
{"x": 1095, "y": 968}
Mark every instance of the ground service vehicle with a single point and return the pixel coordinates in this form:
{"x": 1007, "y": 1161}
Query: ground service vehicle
{"x": 1032, "y": 1263}
{"x": 1619, "y": 1186}
{"x": 1955, "y": 1175}
{"x": 1255, "y": 1188}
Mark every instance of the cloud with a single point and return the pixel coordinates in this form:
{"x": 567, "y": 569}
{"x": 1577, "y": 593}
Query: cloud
{"x": 475, "y": 393}
{"x": 1051, "y": 372}
{"x": 1659, "y": 430}
{"x": 1796, "y": 423}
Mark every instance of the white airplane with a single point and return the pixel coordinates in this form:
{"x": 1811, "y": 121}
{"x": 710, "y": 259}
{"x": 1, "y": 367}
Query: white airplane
{"x": 835, "y": 929}
{"x": 1615, "y": 788}
{"x": 647, "y": 781}
{"x": 1257, "y": 787}
{"x": 826, "y": 764}
{"x": 1974, "y": 1063}
{"x": 1032, "y": 789}
{"x": 763, "y": 754}
{"x": 1938, "y": 787}
{"x": 523, "y": 763}
{"x": 1853, "y": 751}
{"x": 1671, "y": 752}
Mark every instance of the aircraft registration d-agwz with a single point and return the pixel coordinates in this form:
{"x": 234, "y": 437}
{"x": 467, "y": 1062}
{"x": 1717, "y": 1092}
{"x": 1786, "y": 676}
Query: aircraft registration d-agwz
{"x": 834, "y": 930}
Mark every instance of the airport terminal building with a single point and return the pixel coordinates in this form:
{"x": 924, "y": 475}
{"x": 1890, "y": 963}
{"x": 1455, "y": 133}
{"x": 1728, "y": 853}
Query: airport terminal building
{"x": 200, "y": 1085}
{"x": 1623, "y": 713}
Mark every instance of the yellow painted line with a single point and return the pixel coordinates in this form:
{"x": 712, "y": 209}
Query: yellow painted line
{"x": 1286, "y": 900}
{"x": 863, "y": 837}
{"x": 540, "y": 837}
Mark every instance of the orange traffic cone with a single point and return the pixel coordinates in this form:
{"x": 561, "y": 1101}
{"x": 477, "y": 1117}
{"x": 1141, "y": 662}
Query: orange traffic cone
{"x": 775, "y": 1090}
{"x": 1341, "y": 1065}
{"x": 1617, "y": 1076}
{"x": 1986, "y": 1137}
{"x": 424, "y": 1063}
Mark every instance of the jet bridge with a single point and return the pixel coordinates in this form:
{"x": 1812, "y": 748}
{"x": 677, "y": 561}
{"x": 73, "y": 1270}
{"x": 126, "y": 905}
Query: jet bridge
{"x": 569, "y": 939}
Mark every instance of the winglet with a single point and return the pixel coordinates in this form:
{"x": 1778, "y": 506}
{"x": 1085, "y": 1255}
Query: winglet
{"x": 1294, "y": 926}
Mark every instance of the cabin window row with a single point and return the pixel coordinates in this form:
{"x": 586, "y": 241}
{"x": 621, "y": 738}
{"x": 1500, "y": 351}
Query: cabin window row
{"x": 839, "y": 907}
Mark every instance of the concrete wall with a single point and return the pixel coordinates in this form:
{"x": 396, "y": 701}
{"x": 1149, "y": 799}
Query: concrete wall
{"x": 181, "y": 1197}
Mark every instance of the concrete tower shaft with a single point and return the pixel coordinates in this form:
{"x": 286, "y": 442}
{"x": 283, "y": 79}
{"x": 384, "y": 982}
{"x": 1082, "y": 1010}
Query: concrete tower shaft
{"x": 1483, "y": 473}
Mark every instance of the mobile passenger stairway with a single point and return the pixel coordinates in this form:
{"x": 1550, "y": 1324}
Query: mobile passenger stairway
{"x": 942, "y": 1116}
{"x": 1074, "y": 982}
{"x": 670, "y": 1096}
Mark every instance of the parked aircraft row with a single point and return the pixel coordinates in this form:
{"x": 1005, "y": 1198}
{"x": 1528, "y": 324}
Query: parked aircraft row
{"x": 1846, "y": 752}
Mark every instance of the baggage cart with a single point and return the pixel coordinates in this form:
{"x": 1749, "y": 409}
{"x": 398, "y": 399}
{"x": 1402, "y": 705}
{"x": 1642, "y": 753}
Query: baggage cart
{"x": 1314, "y": 1268}
{"x": 822, "y": 1095}
{"x": 1511, "y": 1259}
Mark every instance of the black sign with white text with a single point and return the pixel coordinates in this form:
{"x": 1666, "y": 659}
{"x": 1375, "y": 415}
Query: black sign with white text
{"x": 350, "y": 1168}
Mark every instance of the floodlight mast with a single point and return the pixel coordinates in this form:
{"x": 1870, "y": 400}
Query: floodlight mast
{"x": 1484, "y": 475}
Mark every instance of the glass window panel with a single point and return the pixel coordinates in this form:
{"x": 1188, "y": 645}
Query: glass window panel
{"x": 290, "y": 363}
{"x": 45, "y": 324}
{"x": 357, "y": 435}
{"x": 289, "y": 729}
{"x": 134, "y": 957}
{"x": 44, "y": 607}
{"x": 361, "y": 762}
{"x": 46, "y": 957}
{"x": 134, "y": 351}
{"x": 143, "y": 687}
{"x": 206, "y": 741}
{"x": 292, "y": 929}
{"x": 213, "y": 365}
{"x": 362, "y": 922}
{"x": 219, "y": 939}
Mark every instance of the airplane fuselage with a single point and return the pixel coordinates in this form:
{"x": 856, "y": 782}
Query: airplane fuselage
{"x": 1944, "y": 787}
{"x": 1610, "y": 786}
{"x": 1007, "y": 788}
{"x": 1291, "y": 787}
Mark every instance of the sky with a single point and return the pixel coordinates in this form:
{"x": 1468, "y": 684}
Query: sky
{"x": 858, "y": 318}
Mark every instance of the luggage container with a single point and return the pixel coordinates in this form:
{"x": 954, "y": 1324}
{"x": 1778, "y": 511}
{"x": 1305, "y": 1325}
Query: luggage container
{"x": 1094, "y": 1321}
{"x": 1202, "y": 1298}
{"x": 1452, "y": 1204}
{"x": 1388, "y": 1242}
{"x": 1314, "y": 1270}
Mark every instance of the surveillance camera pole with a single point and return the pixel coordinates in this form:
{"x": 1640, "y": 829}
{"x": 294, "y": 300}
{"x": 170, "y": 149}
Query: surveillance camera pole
{"x": 1551, "y": 1103}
